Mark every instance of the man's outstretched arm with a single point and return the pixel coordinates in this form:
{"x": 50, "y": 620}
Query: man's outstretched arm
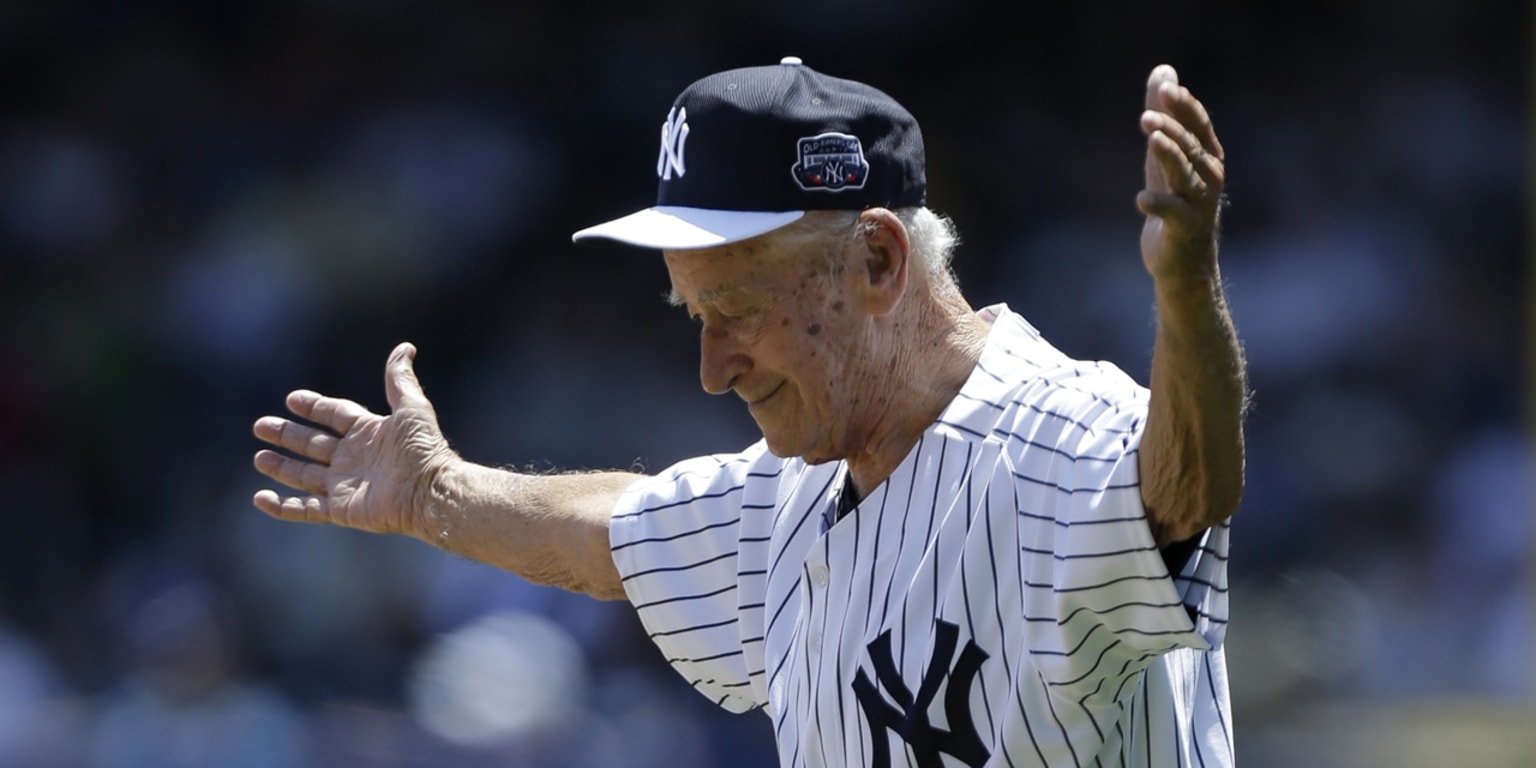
{"x": 1191, "y": 456}
{"x": 396, "y": 474}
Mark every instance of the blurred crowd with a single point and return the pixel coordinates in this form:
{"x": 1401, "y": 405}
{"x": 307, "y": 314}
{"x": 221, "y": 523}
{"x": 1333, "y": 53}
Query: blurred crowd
{"x": 203, "y": 206}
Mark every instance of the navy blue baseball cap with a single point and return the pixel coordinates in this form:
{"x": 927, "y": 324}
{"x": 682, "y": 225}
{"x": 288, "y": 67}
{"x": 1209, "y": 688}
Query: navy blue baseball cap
{"x": 746, "y": 151}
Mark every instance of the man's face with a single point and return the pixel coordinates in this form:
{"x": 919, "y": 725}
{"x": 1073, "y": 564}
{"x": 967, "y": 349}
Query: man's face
{"x": 780, "y": 325}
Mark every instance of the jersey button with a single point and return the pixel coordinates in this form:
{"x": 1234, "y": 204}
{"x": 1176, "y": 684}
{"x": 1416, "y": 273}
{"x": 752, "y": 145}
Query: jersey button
{"x": 819, "y": 575}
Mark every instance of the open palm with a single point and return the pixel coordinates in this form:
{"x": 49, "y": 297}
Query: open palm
{"x": 355, "y": 468}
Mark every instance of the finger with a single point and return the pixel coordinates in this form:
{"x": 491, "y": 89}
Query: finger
{"x": 1161, "y": 73}
{"x": 294, "y": 473}
{"x": 401, "y": 386}
{"x": 1210, "y": 170}
{"x": 333, "y": 413}
{"x": 302, "y": 439}
{"x": 1175, "y": 165}
{"x": 296, "y": 509}
{"x": 1190, "y": 113}
{"x": 1204, "y": 163}
{"x": 1153, "y": 122}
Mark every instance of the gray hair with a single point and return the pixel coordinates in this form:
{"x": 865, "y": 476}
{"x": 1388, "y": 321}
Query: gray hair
{"x": 933, "y": 236}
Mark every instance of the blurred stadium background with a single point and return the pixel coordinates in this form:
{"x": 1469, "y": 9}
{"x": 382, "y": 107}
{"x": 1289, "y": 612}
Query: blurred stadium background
{"x": 204, "y": 205}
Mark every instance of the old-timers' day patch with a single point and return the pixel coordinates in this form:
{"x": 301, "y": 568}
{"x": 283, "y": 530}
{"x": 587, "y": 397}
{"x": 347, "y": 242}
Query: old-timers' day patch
{"x": 830, "y": 162}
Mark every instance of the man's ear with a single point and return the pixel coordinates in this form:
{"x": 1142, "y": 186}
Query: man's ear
{"x": 885, "y": 247}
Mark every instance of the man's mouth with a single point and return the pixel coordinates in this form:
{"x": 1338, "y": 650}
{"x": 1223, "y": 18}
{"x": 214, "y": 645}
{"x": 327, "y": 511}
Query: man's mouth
{"x": 753, "y": 404}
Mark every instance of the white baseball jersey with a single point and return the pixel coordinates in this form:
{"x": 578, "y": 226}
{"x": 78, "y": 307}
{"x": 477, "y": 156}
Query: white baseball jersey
{"x": 998, "y": 601}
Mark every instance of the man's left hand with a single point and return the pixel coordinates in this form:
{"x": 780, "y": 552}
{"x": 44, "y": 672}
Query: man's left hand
{"x": 1185, "y": 174}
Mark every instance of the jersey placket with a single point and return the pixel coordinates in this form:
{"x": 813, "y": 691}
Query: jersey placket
{"x": 815, "y": 576}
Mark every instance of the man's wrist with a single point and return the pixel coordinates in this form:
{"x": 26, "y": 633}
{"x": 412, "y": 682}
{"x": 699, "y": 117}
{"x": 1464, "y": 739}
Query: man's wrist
{"x": 1192, "y": 289}
{"x": 439, "y": 491}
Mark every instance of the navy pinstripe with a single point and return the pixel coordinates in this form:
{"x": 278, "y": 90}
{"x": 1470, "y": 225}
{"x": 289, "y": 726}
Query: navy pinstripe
{"x": 1031, "y": 473}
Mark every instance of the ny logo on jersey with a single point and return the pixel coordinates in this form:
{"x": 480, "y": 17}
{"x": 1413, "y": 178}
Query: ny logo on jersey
{"x": 908, "y": 718}
{"x": 674, "y": 134}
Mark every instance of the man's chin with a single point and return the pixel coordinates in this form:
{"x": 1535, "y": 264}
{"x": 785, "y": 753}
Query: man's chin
{"x": 785, "y": 450}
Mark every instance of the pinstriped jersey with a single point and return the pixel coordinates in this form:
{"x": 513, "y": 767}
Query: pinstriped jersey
{"x": 998, "y": 601}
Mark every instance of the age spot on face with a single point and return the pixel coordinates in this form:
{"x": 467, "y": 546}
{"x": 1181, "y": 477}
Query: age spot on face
{"x": 814, "y": 329}
{"x": 837, "y": 306}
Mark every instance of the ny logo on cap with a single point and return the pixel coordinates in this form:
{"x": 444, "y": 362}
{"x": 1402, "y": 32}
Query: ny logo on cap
{"x": 674, "y": 134}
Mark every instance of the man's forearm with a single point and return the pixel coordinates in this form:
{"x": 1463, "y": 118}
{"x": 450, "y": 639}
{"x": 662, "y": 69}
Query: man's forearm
{"x": 549, "y": 529}
{"x": 1191, "y": 457}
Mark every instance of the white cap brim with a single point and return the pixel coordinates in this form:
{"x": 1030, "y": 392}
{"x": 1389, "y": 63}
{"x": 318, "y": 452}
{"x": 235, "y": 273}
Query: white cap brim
{"x": 673, "y": 227}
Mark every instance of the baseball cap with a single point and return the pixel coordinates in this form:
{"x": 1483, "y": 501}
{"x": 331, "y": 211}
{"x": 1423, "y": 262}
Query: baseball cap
{"x": 746, "y": 151}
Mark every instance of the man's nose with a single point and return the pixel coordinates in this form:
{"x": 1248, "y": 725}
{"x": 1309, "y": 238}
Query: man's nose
{"x": 721, "y": 361}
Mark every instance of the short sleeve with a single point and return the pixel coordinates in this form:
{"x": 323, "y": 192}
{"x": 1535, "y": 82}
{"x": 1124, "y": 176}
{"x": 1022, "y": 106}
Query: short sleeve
{"x": 1095, "y": 567}
{"x": 675, "y": 539}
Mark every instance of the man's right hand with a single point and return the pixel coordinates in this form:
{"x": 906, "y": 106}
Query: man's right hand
{"x": 358, "y": 469}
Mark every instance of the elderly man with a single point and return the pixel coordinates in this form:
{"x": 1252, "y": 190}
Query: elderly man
{"x": 954, "y": 545}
